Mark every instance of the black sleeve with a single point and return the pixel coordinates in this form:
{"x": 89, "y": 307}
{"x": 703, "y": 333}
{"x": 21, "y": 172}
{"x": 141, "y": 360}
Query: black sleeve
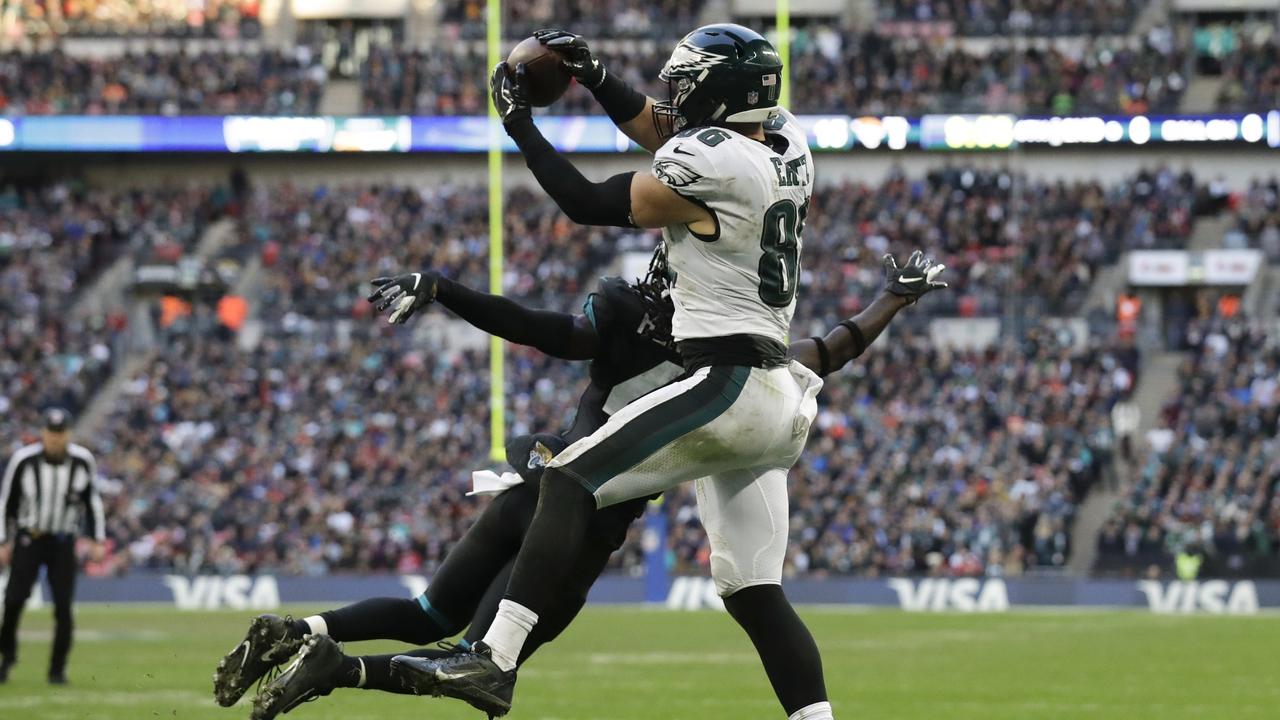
{"x": 586, "y": 203}
{"x": 622, "y": 102}
{"x": 554, "y": 333}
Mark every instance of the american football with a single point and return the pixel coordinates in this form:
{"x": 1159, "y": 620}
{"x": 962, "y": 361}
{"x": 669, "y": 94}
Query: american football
{"x": 547, "y": 78}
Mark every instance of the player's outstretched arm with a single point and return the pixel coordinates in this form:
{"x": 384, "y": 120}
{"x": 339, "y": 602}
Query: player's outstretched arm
{"x": 624, "y": 200}
{"x": 628, "y": 108}
{"x": 560, "y": 335}
{"x": 903, "y": 286}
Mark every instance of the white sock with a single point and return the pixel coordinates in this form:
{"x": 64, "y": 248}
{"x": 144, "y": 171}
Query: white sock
{"x": 317, "y": 624}
{"x": 507, "y": 634}
{"x": 360, "y": 682}
{"x": 816, "y": 711}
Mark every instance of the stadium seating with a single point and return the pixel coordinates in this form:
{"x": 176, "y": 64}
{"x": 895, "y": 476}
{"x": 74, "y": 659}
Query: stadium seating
{"x": 841, "y": 72}
{"x": 1006, "y": 17}
{"x": 594, "y": 18}
{"x": 161, "y": 83}
{"x": 224, "y": 19}
{"x": 54, "y": 240}
{"x": 1256, "y": 214}
{"x": 1003, "y": 235}
{"x": 1248, "y": 57}
{"x": 879, "y": 74}
{"x": 1207, "y": 480}
{"x": 946, "y": 462}
{"x": 370, "y": 432}
{"x": 833, "y": 71}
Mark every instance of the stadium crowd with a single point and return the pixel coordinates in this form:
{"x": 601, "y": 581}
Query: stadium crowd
{"x": 54, "y": 241}
{"x": 455, "y": 82}
{"x": 1208, "y": 481}
{"x": 879, "y": 74}
{"x": 839, "y": 71}
{"x": 1024, "y": 17}
{"x": 833, "y": 71}
{"x": 377, "y": 428}
{"x": 932, "y": 460}
{"x": 1255, "y": 216}
{"x": 223, "y": 19}
{"x": 1001, "y": 235}
{"x": 1248, "y": 58}
{"x": 161, "y": 83}
{"x": 594, "y": 18}
{"x": 335, "y": 442}
{"x": 369, "y": 431}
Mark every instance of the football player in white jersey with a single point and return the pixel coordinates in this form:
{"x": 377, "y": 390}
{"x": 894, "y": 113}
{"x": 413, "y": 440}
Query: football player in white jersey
{"x": 729, "y": 185}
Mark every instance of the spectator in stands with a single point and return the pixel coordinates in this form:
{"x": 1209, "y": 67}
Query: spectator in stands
{"x": 275, "y": 83}
{"x": 951, "y": 461}
{"x": 1027, "y": 17}
{"x": 1209, "y": 482}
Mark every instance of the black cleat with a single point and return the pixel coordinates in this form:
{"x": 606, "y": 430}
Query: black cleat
{"x": 4, "y": 670}
{"x": 469, "y": 676}
{"x": 269, "y": 643}
{"x": 308, "y": 678}
{"x": 57, "y": 678}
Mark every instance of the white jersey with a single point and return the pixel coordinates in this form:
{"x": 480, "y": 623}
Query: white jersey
{"x": 741, "y": 279}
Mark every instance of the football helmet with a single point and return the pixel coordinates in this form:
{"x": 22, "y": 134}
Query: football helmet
{"x": 721, "y": 73}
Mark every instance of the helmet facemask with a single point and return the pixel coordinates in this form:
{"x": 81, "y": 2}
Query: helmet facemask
{"x": 668, "y": 119}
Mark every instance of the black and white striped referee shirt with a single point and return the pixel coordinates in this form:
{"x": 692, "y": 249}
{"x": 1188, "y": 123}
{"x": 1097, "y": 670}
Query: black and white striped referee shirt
{"x": 47, "y": 498}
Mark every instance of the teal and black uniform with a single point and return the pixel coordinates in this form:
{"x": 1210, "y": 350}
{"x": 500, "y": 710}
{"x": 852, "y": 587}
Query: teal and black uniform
{"x": 632, "y": 355}
{"x": 630, "y": 361}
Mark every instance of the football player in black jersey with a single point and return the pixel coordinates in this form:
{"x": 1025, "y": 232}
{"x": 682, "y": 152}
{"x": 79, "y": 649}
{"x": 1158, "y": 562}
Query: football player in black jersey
{"x": 624, "y": 330}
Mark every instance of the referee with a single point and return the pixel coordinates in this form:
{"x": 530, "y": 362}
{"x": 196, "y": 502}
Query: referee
{"x": 50, "y": 492}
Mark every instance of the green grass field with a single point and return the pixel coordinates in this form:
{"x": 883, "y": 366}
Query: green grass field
{"x": 138, "y": 663}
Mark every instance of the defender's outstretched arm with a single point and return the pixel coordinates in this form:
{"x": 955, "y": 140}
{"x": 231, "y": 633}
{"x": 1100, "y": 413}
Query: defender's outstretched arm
{"x": 560, "y": 335}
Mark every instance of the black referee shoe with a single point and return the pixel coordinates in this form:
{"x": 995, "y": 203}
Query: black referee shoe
{"x": 57, "y": 678}
{"x": 4, "y": 670}
{"x": 269, "y": 642}
{"x": 469, "y": 676}
{"x": 308, "y": 678}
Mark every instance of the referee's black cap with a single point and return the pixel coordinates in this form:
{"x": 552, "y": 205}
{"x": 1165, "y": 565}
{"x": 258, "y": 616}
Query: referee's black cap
{"x": 57, "y": 419}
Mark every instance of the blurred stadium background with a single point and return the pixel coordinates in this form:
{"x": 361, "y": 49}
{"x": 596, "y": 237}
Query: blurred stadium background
{"x": 192, "y": 193}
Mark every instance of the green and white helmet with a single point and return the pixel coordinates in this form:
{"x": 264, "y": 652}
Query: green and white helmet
{"x": 717, "y": 74}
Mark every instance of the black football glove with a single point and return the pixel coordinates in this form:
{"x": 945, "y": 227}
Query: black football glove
{"x": 405, "y": 294}
{"x": 914, "y": 279}
{"x": 510, "y": 93}
{"x": 576, "y": 56}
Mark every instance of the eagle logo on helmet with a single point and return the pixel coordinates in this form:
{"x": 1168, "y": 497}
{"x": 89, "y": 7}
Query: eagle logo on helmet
{"x": 688, "y": 57}
{"x": 675, "y": 174}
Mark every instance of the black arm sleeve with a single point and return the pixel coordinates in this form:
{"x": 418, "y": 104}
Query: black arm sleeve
{"x": 550, "y": 332}
{"x": 621, "y": 101}
{"x": 585, "y": 202}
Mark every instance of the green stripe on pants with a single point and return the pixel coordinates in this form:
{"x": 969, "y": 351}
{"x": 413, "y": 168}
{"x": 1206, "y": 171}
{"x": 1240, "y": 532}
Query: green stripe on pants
{"x": 659, "y": 426}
